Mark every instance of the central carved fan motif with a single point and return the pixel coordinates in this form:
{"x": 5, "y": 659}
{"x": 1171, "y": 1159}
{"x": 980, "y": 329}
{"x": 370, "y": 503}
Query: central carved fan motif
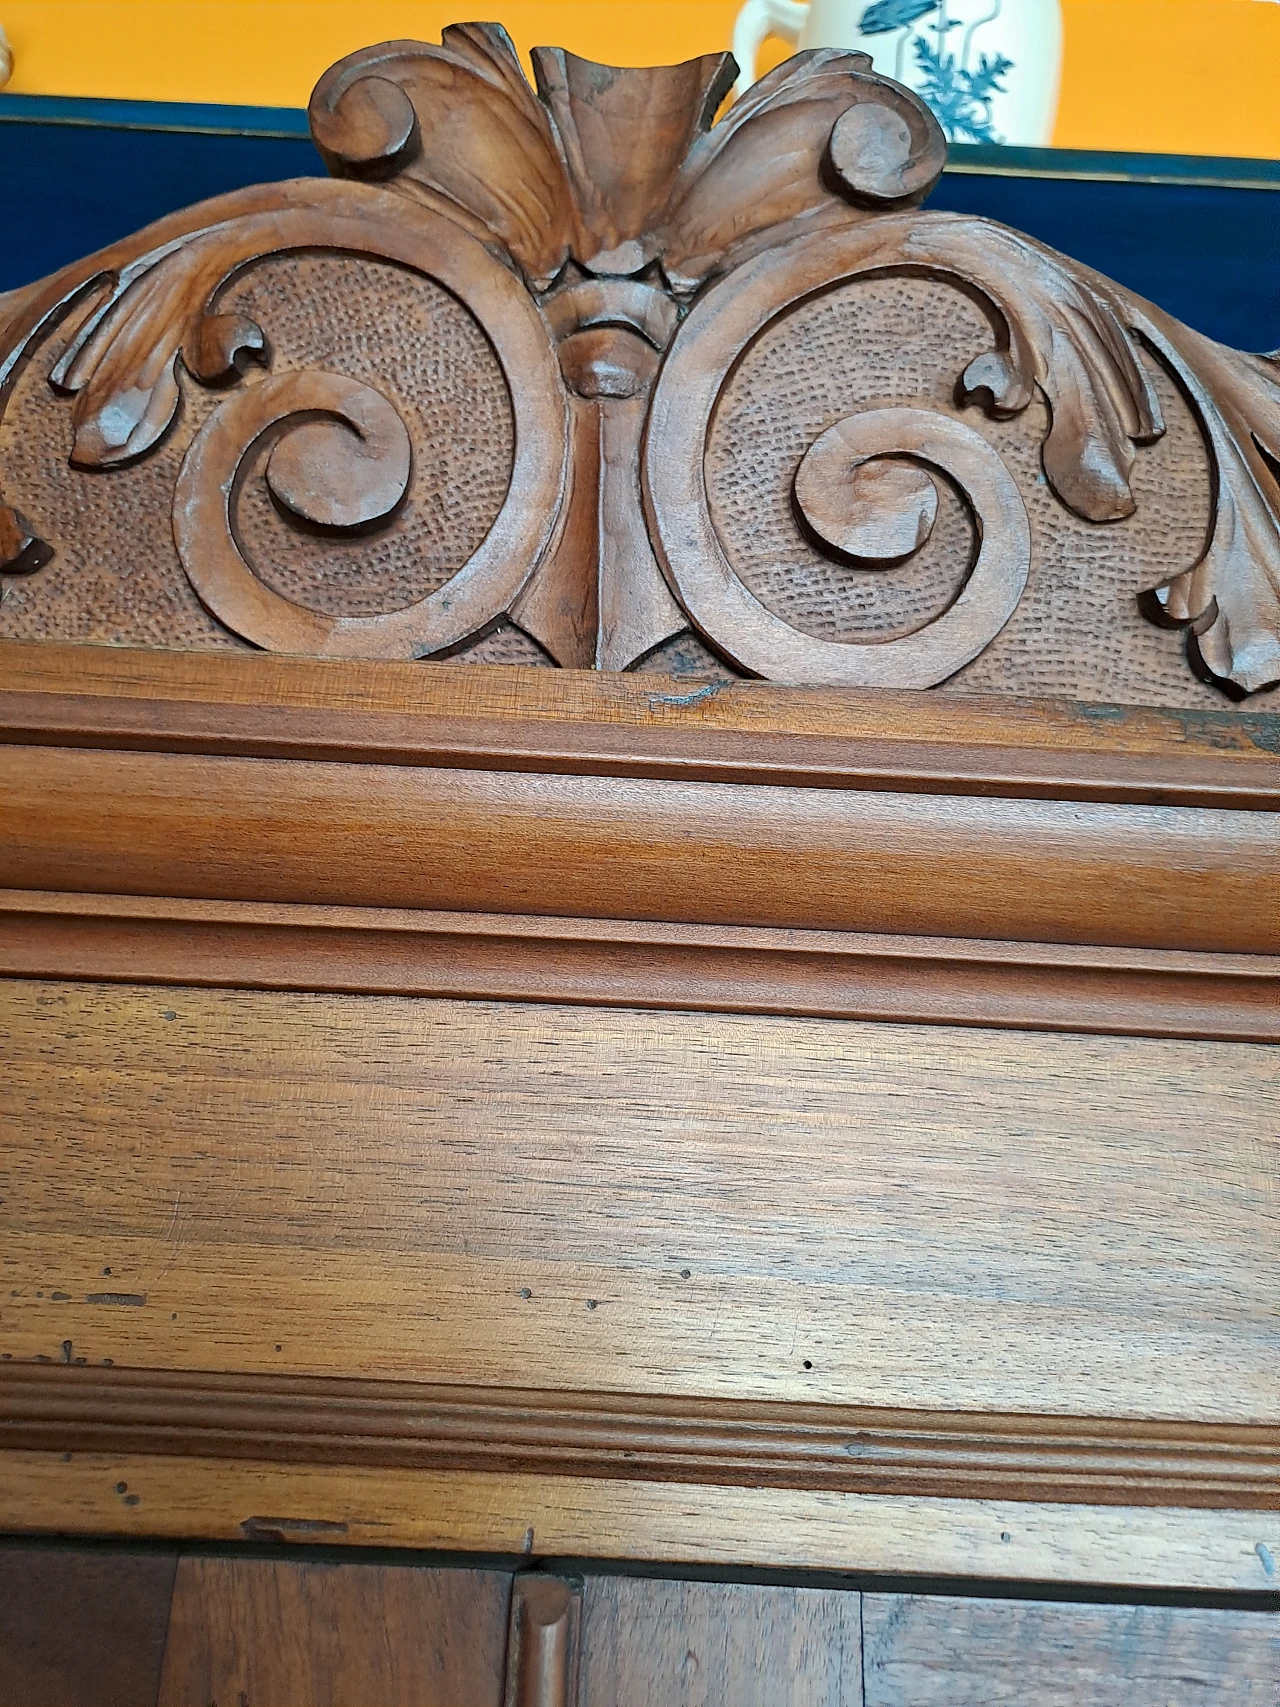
{"x": 602, "y": 265}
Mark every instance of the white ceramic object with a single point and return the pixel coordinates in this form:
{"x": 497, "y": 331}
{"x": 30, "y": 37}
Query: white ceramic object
{"x": 989, "y": 68}
{"x": 6, "y": 58}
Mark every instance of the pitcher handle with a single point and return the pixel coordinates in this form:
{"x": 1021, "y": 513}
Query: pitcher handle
{"x": 756, "y": 20}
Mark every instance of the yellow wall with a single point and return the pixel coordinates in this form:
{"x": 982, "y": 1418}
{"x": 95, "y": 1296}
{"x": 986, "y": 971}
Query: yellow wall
{"x": 1175, "y": 76}
{"x": 1184, "y": 76}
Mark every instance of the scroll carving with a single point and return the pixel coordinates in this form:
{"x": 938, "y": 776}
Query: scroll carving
{"x": 625, "y": 258}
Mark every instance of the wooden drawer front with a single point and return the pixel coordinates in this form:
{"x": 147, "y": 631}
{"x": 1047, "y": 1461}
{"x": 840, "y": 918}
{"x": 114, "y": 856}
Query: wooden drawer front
{"x": 718, "y": 1206}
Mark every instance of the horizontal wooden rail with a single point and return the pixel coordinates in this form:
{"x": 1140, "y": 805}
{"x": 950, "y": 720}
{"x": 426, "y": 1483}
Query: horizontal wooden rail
{"x": 636, "y": 848}
{"x": 587, "y": 724}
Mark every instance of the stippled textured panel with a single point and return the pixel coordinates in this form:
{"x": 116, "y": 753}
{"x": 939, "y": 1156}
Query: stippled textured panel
{"x": 116, "y": 575}
{"x": 902, "y": 340}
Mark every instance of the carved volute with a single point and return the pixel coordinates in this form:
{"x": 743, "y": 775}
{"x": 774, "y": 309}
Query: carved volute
{"x": 584, "y": 376}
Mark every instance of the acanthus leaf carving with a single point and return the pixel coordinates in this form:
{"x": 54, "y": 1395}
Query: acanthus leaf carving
{"x": 1230, "y": 599}
{"x": 1062, "y": 334}
{"x": 122, "y": 367}
{"x": 482, "y": 117}
{"x": 622, "y": 219}
{"x": 22, "y": 552}
{"x": 344, "y": 461}
{"x": 1079, "y": 338}
{"x": 764, "y": 174}
{"x": 620, "y": 166}
{"x": 153, "y": 304}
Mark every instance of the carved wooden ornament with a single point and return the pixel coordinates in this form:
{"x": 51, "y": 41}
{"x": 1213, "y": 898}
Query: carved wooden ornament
{"x": 581, "y": 377}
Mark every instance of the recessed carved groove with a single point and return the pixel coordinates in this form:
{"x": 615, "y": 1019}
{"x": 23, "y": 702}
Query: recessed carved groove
{"x": 542, "y": 1649}
{"x": 610, "y": 963}
{"x": 300, "y": 1419}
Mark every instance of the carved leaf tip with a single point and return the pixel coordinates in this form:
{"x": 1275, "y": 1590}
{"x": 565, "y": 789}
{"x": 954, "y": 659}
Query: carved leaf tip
{"x": 1237, "y": 646}
{"x": 887, "y": 148}
{"x": 370, "y": 130}
{"x": 220, "y": 347}
{"x": 817, "y": 133}
{"x": 446, "y": 126}
{"x": 113, "y": 429}
{"x": 1063, "y": 336}
{"x": 1230, "y": 600}
{"x": 22, "y": 552}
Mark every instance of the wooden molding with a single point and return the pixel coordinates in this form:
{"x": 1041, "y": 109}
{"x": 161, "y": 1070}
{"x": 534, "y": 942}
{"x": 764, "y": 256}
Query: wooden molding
{"x": 362, "y": 1424}
{"x": 574, "y": 723}
{"x": 503, "y": 792}
{"x": 563, "y": 1517}
{"x": 176, "y": 824}
{"x": 830, "y": 974}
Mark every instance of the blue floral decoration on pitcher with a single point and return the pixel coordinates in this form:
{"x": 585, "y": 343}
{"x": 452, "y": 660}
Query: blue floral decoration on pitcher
{"x": 960, "y": 96}
{"x": 886, "y": 15}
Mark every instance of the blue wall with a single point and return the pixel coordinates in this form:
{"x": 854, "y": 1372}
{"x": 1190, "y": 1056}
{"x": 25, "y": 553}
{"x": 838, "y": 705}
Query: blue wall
{"x": 70, "y": 189}
{"x": 1209, "y": 253}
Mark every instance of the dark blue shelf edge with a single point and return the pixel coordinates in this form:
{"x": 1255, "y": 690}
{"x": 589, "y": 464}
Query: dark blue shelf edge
{"x": 1199, "y": 171}
{"x": 965, "y": 158}
{"x": 183, "y": 117}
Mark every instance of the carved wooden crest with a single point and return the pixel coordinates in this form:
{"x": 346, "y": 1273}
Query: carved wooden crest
{"x": 579, "y": 376}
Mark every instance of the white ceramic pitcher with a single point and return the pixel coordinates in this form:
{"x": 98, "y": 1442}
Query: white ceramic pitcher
{"x": 988, "y": 68}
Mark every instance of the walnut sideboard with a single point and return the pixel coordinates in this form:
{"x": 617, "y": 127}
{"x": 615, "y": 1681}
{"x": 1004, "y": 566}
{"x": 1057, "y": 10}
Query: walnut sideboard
{"x": 641, "y": 910}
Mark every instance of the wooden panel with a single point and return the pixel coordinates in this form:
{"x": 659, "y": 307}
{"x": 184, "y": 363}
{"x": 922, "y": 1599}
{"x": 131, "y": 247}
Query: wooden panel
{"x": 665, "y": 1203}
{"x": 934, "y": 1651}
{"x": 711, "y": 853}
{"x": 649, "y": 1643}
{"x": 82, "y": 1629}
{"x": 582, "y": 723}
{"x": 587, "y": 1517}
{"x": 315, "y": 1635}
{"x": 723, "y": 968}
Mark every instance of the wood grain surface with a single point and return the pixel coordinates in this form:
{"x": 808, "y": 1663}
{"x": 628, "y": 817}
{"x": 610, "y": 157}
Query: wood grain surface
{"x": 566, "y": 1517}
{"x": 158, "y": 681}
{"x": 583, "y": 723}
{"x": 541, "y": 1117}
{"x": 649, "y": 1643}
{"x": 81, "y": 1628}
{"x": 936, "y": 1651}
{"x": 294, "y": 1634}
{"x": 710, "y": 853}
{"x": 716, "y": 1206}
